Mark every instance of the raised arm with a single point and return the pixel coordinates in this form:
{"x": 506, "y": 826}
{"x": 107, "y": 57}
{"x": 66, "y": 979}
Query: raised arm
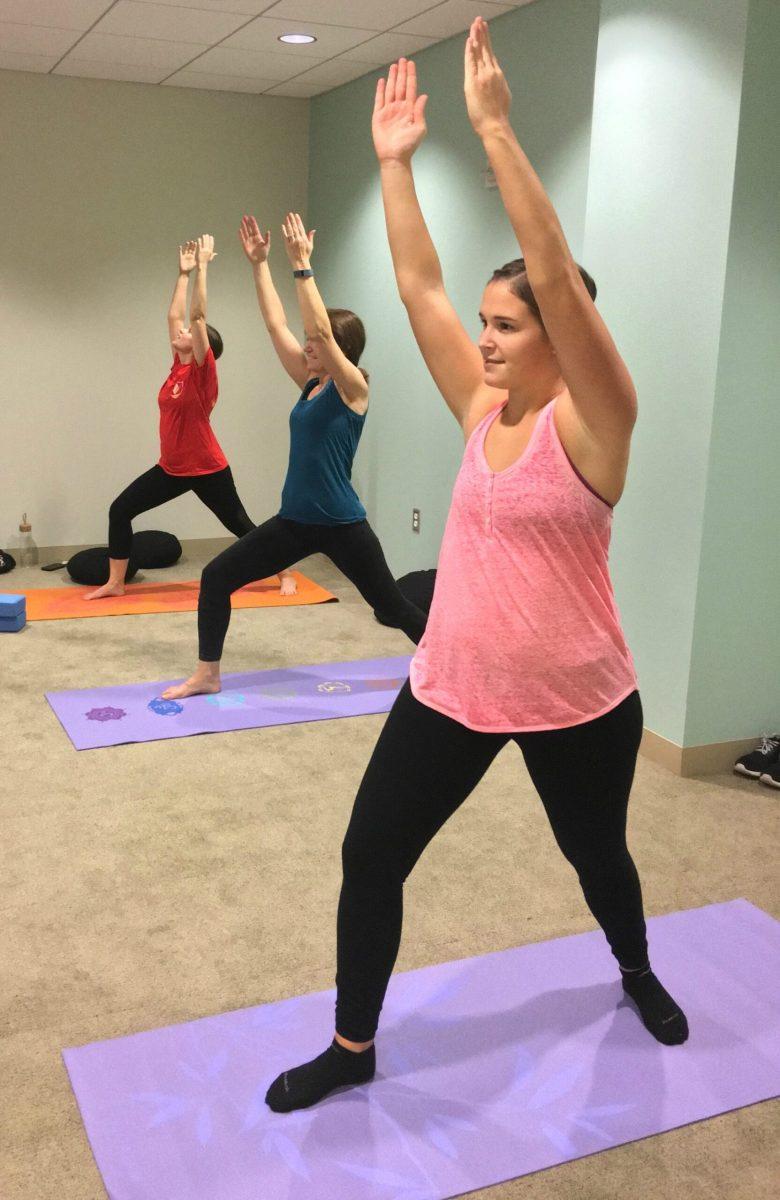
{"x": 200, "y": 338}
{"x": 177, "y": 312}
{"x": 288, "y": 349}
{"x": 398, "y": 128}
{"x": 601, "y": 389}
{"x": 349, "y": 379}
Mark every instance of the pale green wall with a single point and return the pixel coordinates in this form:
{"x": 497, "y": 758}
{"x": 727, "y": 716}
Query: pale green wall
{"x": 100, "y": 182}
{"x": 665, "y": 122}
{"x": 412, "y": 446}
{"x": 630, "y": 112}
{"x": 735, "y": 665}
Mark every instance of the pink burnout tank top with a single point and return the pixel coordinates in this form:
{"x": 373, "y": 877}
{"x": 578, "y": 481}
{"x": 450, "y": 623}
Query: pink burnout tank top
{"x": 524, "y": 632}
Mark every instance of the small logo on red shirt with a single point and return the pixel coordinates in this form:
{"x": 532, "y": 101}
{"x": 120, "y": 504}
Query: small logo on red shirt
{"x": 177, "y": 389}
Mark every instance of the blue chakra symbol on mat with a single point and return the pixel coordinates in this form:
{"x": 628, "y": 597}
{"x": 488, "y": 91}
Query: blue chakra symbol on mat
{"x": 335, "y": 686}
{"x": 227, "y": 700}
{"x": 165, "y": 708}
{"x": 105, "y": 714}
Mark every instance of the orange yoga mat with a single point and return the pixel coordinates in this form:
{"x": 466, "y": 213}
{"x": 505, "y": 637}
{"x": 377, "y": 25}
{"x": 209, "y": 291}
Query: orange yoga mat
{"x": 56, "y": 604}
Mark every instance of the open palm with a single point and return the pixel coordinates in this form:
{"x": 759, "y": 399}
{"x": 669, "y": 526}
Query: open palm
{"x": 256, "y": 247}
{"x": 398, "y": 124}
{"x": 187, "y": 256}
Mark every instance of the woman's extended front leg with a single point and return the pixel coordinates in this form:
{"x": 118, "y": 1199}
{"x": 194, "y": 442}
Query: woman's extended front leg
{"x": 422, "y": 769}
{"x": 263, "y": 552}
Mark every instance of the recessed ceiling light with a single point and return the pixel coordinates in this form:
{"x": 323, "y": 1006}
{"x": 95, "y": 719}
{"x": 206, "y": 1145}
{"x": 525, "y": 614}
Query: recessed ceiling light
{"x": 297, "y": 39}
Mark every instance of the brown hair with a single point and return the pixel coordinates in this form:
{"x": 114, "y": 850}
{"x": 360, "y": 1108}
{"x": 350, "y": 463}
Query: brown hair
{"x": 349, "y": 334}
{"x": 514, "y": 273}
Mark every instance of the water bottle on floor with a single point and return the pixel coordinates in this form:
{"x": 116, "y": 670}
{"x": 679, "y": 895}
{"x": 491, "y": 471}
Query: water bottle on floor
{"x": 28, "y": 551}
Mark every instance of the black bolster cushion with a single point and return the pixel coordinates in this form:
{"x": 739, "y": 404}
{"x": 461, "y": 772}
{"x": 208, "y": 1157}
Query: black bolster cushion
{"x": 152, "y": 548}
{"x": 417, "y": 586}
{"x": 91, "y": 566}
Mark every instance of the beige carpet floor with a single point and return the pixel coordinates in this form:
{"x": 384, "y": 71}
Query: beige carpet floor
{"x": 149, "y": 884}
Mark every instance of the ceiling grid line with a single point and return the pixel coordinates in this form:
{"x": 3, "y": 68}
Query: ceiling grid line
{"x": 124, "y": 50}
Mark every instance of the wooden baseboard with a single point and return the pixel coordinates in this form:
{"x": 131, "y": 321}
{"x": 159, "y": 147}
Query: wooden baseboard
{"x": 688, "y": 761}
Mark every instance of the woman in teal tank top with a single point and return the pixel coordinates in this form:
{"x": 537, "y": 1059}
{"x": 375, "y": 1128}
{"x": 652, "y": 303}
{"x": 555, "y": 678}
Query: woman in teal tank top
{"x": 320, "y": 510}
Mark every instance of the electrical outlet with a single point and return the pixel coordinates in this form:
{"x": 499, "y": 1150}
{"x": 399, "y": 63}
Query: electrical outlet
{"x": 415, "y": 520}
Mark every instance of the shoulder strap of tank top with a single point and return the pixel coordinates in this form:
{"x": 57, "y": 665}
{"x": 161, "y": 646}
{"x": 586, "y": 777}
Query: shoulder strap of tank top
{"x": 482, "y": 425}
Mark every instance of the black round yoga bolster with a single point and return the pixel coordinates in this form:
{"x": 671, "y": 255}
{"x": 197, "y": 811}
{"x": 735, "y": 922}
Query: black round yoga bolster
{"x": 91, "y": 566}
{"x": 416, "y": 586}
{"x": 151, "y": 550}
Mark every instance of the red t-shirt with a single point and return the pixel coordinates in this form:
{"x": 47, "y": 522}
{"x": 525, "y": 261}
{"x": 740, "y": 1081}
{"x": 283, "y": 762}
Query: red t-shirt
{"x": 188, "y": 445}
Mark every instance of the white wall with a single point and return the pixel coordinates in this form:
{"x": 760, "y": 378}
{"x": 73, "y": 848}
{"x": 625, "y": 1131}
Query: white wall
{"x": 100, "y": 183}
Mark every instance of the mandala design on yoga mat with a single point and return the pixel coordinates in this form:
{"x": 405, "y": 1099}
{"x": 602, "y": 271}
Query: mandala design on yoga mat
{"x": 335, "y": 686}
{"x": 165, "y": 708}
{"x": 105, "y": 714}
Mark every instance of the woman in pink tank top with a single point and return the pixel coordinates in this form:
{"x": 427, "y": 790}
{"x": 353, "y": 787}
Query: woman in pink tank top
{"x": 524, "y": 641}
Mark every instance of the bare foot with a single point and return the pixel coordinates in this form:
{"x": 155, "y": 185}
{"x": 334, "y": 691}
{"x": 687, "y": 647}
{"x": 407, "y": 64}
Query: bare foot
{"x": 108, "y": 589}
{"x": 288, "y": 586}
{"x": 196, "y": 685}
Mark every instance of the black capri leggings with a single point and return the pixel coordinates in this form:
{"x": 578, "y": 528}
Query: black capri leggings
{"x": 422, "y": 769}
{"x": 279, "y": 543}
{"x": 155, "y": 487}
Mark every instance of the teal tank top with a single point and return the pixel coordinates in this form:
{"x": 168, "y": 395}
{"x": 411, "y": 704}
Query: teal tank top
{"x": 324, "y": 436}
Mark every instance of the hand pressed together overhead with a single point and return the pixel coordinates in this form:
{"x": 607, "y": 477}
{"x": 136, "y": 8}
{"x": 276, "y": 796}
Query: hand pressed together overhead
{"x": 487, "y": 92}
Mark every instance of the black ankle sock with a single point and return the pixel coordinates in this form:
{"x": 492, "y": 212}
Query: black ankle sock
{"x": 309, "y": 1083}
{"x": 664, "y": 1019}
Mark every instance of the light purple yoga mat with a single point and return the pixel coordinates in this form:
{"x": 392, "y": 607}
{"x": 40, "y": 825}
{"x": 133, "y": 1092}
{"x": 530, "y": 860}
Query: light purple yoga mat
{"x": 488, "y": 1068}
{"x": 112, "y": 716}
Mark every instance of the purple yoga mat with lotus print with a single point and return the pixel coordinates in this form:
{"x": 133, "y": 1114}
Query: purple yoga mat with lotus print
{"x": 136, "y": 712}
{"x": 488, "y": 1068}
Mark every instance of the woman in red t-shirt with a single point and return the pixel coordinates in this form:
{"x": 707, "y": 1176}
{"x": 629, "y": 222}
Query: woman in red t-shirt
{"x": 191, "y": 459}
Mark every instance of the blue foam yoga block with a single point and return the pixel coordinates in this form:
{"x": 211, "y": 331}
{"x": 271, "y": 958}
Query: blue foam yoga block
{"x": 13, "y": 612}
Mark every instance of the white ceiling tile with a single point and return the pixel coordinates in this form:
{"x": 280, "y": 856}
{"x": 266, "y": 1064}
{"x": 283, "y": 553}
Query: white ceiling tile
{"x": 336, "y": 72}
{"x": 58, "y": 14}
{"x": 365, "y": 14}
{"x": 27, "y": 62}
{"x": 140, "y": 52}
{"x": 125, "y": 72}
{"x": 453, "y": 17}
{"x": 298, "y": 87}
{"x": 218, "y": 83}
{"x": 387, "y": 47}
{"x": 224, "y": 60}
{"x": 263, "y": 34}
{"x": 170, "y": 24}
{"x": 35, "y": 39}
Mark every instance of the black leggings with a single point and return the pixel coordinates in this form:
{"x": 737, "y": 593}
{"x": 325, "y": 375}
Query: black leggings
{"x": 155, "y": 487}
{"x": 422, "y": 769}
{"x": 279, "y": 543}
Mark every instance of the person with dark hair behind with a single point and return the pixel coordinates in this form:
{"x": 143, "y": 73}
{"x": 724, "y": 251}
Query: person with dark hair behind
{"x": 191, "y": 459}
{"x": 320, "y": 512}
